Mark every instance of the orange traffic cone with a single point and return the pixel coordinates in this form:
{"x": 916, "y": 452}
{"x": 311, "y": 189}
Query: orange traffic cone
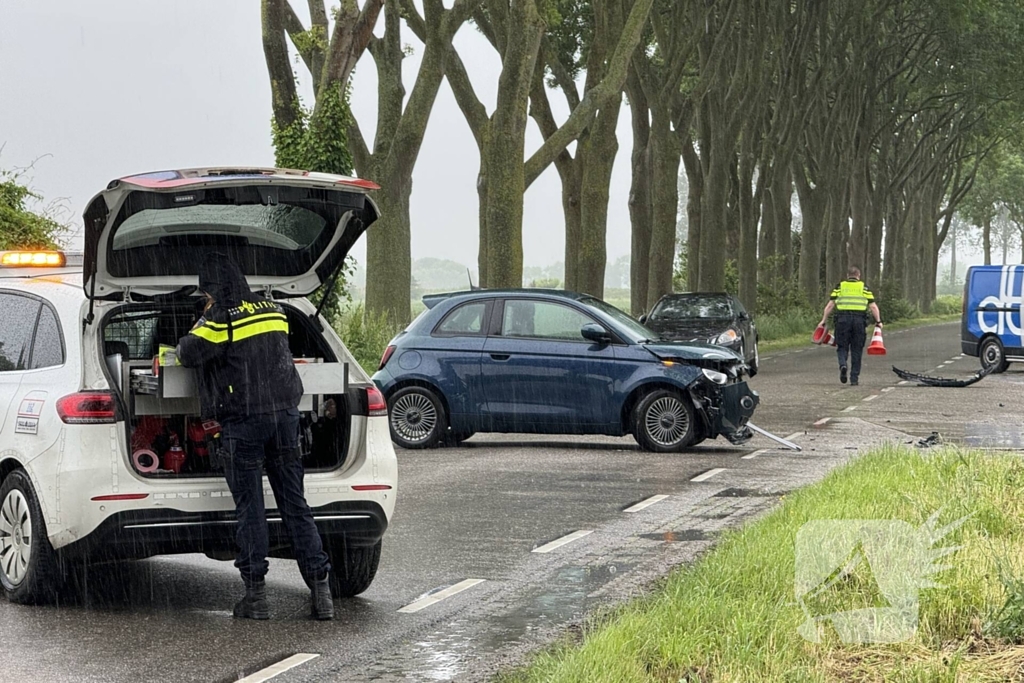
{"x": 876, "y": 348}
{"x": 822, "y": 337}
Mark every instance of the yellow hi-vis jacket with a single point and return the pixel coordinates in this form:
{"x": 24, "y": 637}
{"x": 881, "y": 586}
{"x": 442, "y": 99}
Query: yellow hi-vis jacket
{"x": 851, "y": 296}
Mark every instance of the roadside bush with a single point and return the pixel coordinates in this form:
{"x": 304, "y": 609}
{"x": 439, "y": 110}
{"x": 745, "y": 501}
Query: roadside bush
{"x": 949, "y": 304}
{"x": 892, "y": 306}
{"x": 365, "y": 335}
{"x": 795, "y": 322}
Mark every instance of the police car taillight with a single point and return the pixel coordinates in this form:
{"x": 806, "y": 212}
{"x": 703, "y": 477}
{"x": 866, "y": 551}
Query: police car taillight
{"x": 375, "y": 402}
{"x": 32, "y": 259}
{"x": 88, "y": 407}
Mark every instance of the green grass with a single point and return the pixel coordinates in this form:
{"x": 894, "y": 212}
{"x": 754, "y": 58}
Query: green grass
{"x": 365, "y": 336}
{"x": 732, "y": 616}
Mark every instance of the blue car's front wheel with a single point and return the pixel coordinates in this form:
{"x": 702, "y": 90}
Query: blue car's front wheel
{"x": 663, "y": 422}
{"x": 417, "y": 418}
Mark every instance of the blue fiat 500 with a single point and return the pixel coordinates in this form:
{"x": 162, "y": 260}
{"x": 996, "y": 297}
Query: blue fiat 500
{"x": 555, "y": 362}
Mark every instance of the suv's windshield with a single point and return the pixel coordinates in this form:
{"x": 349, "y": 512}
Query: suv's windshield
{"x": 639, "y": 332}
{"x": 693, "y": 306}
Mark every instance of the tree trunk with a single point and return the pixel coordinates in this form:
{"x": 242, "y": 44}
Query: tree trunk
{"x": 597, "y": 156}
{"x": 572, "y": 191}
{"x": 812, "y": 237}
{"x": 388, "y": 257}
{"x": 782, "y": 196}
{"x": 986, "y": 237}
{"x": 838, "y": 235}
{"x": 665, "y": 202}
{"x": 749, "y": 216}
{"x": 640, "y": 208}
{"x": 506, "y": 176}
{"x": 952, "y": 255}
{"x": 694, "y": 202}
{"x": 716, "y": 159}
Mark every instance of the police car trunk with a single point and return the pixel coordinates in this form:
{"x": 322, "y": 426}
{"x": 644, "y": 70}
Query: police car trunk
{"x": 290, "y": 233}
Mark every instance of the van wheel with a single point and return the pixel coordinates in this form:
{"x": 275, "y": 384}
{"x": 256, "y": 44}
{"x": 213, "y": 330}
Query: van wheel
{"x": 417, "y": 418}
{"x": 29, "y": 568}
{"x": 663, "y": 422}
{"x": 992, "y": 354}
{"x": 352, "y": 568}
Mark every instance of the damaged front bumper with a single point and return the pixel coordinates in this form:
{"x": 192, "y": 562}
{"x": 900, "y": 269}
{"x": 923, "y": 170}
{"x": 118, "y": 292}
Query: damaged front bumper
{"x": 726, "y": 409}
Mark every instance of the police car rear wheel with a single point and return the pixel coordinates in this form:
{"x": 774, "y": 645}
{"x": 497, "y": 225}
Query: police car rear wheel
{"x": 29, "y": 571}
{"x": 352, "y": 568}
{"x": 992, "y": 354}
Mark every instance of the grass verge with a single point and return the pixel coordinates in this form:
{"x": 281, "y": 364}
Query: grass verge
{"x": 733, "y": 615}
{"x": 804, "y": 339}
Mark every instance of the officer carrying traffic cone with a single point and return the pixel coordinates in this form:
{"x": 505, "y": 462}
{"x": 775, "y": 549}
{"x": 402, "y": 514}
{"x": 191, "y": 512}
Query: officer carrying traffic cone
{"x": 852, "y": 301}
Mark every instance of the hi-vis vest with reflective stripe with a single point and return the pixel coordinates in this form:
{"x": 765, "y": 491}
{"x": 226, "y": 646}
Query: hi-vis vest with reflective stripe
{"x": 852, "y": 296}
{"x": 247, "y": 320}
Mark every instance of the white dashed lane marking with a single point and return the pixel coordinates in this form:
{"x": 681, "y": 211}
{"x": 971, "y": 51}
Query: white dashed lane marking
{"x": 850, "y": 409}
{"x": 822, "y": 422}
{"x": 888, "y": 389}
{"x": 872, "y": 397}
{"x": 644, "y": 504}
{"x": 277, "y": 669}
{"x": 751, "y": 456}
{"x": 437, "y": 597}
{"x": 904, "y": 383}
{"x": 707, "y": 475}
{"x": 564, "y": 540}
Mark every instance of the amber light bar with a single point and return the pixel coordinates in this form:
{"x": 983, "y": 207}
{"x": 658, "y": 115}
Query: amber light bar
{"x": 33, "y": 259}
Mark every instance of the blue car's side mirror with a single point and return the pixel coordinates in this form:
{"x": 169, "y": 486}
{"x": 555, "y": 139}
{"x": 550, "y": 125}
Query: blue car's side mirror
{"x": 595, "y": 333}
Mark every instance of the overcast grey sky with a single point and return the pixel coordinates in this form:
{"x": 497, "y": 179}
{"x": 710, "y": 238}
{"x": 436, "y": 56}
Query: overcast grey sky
{"x": 103, "y": 88}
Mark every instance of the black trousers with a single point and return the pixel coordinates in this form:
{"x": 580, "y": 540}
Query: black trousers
{"x": 270, "y": 441}
{"x": 850, "y": 338}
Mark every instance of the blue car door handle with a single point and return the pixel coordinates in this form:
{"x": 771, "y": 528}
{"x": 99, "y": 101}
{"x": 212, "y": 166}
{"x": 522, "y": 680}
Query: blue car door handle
{"x": 500, "y": 356}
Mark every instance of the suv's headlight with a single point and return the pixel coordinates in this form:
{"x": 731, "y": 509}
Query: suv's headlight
{"x": 715, "y": 376}
{"x": 726, "y": 338}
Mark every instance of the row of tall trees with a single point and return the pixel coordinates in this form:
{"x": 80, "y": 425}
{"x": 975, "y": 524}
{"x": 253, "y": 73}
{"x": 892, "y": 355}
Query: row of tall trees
{"x": 878, "y": 114}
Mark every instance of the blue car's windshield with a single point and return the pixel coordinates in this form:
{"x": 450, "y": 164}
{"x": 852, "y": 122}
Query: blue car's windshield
{"x": 638, "y": 333}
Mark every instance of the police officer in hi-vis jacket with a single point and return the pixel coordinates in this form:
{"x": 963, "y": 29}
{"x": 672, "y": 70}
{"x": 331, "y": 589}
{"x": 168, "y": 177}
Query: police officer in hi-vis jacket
{"x": 851, "y": 301}
{"x": 248, "y": 382}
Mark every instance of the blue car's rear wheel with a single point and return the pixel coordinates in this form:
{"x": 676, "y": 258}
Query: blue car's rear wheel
{"x": 417, "y": 418}
{"x": 663, "y": 422}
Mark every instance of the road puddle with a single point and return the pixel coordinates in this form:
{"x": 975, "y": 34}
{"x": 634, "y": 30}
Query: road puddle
{"x": 444, "y": 654}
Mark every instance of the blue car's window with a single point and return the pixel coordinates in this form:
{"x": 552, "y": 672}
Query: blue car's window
{"x": 467, "y": 319}
{"x": 543, "y": 320}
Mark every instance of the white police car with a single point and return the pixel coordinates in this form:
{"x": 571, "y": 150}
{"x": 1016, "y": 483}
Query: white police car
{"x": 104, "y": 456}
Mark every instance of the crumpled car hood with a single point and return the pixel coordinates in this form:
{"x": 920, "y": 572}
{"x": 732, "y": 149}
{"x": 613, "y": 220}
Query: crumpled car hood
{"x": 691, "y": 351}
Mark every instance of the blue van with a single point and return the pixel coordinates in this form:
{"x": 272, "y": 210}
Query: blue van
{"x": 991, "y": 327}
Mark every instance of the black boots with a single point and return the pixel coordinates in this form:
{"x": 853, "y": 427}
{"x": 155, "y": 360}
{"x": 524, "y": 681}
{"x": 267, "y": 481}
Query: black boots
{"x": 254, "y": 604}
{"x": 323, "y": 606}
{"x": 842, "y": 374}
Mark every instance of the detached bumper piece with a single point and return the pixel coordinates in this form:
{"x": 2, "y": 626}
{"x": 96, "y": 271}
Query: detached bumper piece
{"x": 928, "y": 381}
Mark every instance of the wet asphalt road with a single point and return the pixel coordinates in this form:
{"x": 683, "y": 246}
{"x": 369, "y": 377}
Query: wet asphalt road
{"x": 474, "y": 512}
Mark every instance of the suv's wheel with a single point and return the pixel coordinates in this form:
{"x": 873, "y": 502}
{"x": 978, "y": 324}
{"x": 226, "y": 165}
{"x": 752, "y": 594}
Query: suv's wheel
{"x": 352, "y": 568}
{"x": 992, "y": 354}
{"x": 663, "y": 422}
{"x": 29, "y": 570}
{"x": 417, "y": 418}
